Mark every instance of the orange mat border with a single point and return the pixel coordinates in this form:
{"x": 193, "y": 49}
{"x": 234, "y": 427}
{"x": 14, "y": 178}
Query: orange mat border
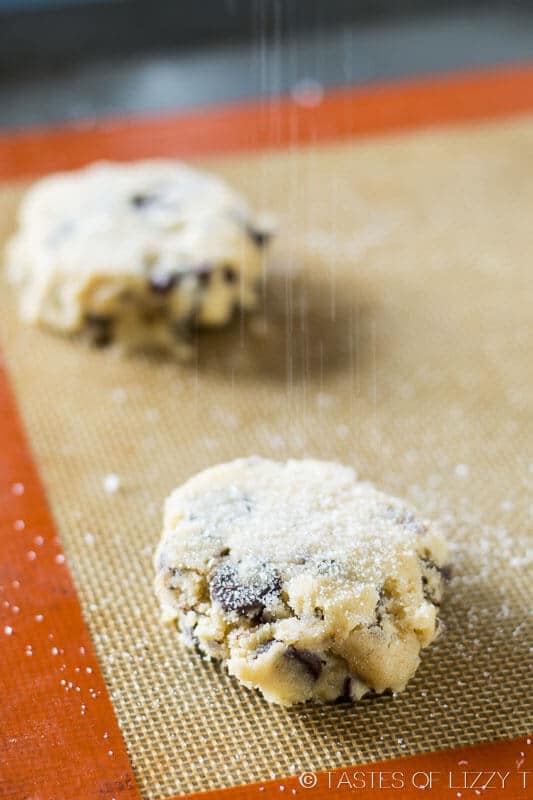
{"x": 59, "y": 737}
{"x": 378, "y": 109}
{"x": 442, "y": 775}
{"x": 64, "y": 742}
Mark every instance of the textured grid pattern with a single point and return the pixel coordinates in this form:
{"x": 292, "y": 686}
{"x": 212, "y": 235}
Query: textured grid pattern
{"x": 394, "y": 336}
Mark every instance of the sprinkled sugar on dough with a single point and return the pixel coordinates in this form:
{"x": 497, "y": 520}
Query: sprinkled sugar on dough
{"x": 138, "y": 253}
{"x": 306, "y": 583}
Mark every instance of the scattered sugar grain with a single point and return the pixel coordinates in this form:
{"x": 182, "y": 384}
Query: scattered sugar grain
{"x": 119, "y": 395}
{"x": 462, "y": 471}
{"x": 111, "y": 483}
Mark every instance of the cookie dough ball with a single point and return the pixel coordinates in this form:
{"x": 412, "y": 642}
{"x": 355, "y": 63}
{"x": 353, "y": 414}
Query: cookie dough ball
{"x": 136, "y": 252}
{"x": 306, "y": 583}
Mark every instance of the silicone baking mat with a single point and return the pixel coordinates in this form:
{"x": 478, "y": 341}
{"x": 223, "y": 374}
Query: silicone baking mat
{"x": 395, "y": 334}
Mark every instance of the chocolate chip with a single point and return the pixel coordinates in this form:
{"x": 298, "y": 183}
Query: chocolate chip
{"x": 191, "y": 640}
{"x": 428, "y": 595}
{"x": 101, "y": 328}
{"x": 445, "y": 572}
{"x": 346, "y": 694}
{"x": 229, "y": 274}
{"x": 259, "y": 238}
{"x": 98, "y": 319}
{"x": 380, "y": 606}
{"x": 184, "y": 329}
{"x": 142, "y": 200}
{"x": 245, "y": 588}
{"x": 263, "y": 647}
{"x": 204, "y": 276}
{"x": 311, "y": 662}
{"x": 102, "y": 340}
{"x": 162, "y": 282}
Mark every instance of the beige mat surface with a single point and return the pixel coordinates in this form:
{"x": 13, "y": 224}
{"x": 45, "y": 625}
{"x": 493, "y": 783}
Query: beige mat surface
{"x": 396, "y": 335}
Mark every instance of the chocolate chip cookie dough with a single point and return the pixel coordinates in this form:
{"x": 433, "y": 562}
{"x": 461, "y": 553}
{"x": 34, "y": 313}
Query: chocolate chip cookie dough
{"x": 306, "y": 583}
{"x": 136, "y": 252}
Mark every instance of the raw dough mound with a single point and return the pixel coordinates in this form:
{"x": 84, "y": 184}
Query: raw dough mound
{"x": 306, "y": 583}
{"x": 138, "y": 252}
